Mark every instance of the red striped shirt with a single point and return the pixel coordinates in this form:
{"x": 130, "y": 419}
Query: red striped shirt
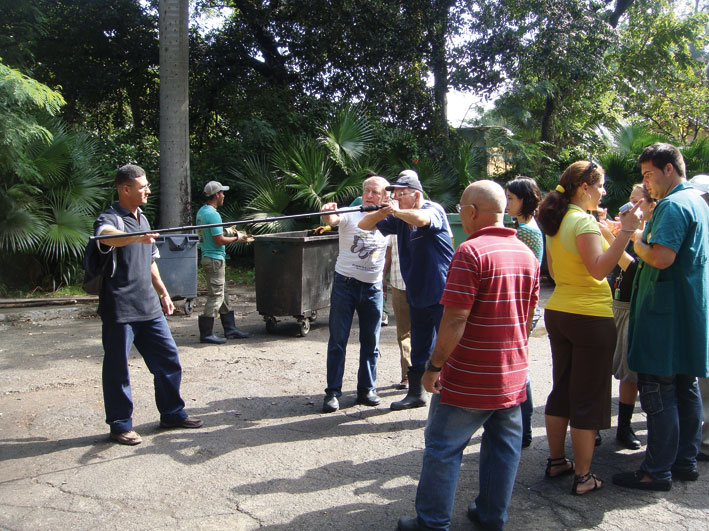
{"x": 497, "y": 277}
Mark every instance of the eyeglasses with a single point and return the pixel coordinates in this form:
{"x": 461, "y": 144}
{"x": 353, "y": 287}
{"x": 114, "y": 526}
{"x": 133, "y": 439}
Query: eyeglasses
{"x": 397, "y": 195}
{"x": 460, "y": 207}
{"x": 141, "y": 188}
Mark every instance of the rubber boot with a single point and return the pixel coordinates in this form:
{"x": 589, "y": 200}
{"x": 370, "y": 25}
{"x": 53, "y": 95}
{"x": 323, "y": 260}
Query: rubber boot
{"x": 415, "y": 397}
{"x": 230, "y": 329}
{"x": 206, "y": 334}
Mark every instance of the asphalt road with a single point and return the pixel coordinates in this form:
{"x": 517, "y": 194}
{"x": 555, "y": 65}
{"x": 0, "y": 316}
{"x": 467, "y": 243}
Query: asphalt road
{"x": 266, "y": 458}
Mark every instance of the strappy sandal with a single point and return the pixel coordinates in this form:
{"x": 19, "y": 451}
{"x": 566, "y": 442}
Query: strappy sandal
{"x": 559, "y": 461}
{"x": 583, "y": 478}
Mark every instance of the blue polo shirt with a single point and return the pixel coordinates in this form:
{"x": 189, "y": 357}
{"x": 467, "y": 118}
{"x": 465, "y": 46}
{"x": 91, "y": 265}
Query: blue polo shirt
{"x": 129, "y": 295}
{"x": 424, "y": 254}
{"x": 669, "y": 321}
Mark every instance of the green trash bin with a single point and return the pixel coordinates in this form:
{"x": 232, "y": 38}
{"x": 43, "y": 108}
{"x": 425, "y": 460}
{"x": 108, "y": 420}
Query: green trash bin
{"x": 457, "y": 227}
{"x": 459, "y": 235}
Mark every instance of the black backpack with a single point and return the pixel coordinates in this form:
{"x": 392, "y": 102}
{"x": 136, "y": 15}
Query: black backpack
{"x": 98, "y": 264}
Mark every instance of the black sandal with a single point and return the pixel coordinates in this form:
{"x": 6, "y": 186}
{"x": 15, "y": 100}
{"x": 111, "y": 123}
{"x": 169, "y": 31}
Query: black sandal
{"x": 583, "y": 478}
{"x": 559, "y": 461}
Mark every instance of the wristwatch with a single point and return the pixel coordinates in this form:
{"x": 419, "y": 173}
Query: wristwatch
{"x": 431, "y": 367}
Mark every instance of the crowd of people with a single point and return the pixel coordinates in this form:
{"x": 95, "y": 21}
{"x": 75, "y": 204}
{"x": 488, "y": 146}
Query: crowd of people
{"x": 464, "y": 317}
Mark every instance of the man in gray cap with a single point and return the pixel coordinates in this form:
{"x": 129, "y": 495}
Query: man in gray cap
{"x": 212, "y": 243}
{"x": 425, "y": 251}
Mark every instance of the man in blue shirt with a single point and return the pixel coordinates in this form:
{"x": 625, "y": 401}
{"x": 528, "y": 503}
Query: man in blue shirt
{"x": 213, "y": 243}
{"x": 668, "y": 329}
{"x": 132, "y": 304}
{"x": 425, "y": 251}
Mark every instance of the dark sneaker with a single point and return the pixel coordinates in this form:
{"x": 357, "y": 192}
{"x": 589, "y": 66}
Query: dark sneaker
{"x": 129, "y": 438}
{"x": 187, "y": 422}
{"x": 633, "y": 480}
{"x": 330, "y": 404}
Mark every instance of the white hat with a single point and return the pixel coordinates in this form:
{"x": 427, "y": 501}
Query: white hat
{"x": 700, "y": 183}
{"x": 214, "y": 187}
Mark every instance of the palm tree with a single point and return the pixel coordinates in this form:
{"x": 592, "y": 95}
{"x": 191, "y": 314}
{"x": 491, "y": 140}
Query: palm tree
{"x": 51, "y": 187}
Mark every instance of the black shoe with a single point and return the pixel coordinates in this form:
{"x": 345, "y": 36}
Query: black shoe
{"x": 701, "y": 456}
{"x": 411, "y": 524}
{"x": 684, "y": 474}
{"x": 599, "y": 439}
{"x": 627, "y": 438}
{"x": 633, "y": 480}
{"x": 369, "y": 398}
{"x": 474, "y": 517}
{"x": 526, "y": 443}
{"x": 330, "y": 403}
{"x": 187, "y": 422}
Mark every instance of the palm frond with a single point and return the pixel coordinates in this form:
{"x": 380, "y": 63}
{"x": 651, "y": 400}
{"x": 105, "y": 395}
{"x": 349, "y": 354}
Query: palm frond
{"x": 347, "y": 137}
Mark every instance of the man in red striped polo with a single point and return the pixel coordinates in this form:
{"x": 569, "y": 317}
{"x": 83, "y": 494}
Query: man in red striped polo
{"x": 477, "y": 372}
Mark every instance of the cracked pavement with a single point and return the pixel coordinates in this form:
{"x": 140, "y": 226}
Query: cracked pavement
{"x": 266, "y": 458}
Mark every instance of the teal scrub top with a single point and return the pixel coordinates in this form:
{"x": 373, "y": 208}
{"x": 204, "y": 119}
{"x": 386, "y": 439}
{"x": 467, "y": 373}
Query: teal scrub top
{"x": 206, "y": 216}
{"x": 669, "y": 317}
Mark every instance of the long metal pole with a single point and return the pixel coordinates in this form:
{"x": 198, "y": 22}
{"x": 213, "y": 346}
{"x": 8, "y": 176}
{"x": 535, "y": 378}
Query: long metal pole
{"x": 362, "y": 208}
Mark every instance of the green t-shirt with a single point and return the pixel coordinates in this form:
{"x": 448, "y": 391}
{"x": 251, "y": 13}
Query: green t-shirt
{"x": 669, "y": 322}
{"x": 206, "y": 216}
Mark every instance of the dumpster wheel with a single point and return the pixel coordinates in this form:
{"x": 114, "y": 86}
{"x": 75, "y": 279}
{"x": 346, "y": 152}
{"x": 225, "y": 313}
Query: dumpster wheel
{"x": 270, "y": 323}
{"x": 304, "y": 327}
{"x": 189, "y": 306}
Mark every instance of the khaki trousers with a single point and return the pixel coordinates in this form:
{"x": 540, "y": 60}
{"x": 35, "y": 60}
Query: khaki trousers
{"x": 403, "y": 328}
{"x": 217, "y": 296}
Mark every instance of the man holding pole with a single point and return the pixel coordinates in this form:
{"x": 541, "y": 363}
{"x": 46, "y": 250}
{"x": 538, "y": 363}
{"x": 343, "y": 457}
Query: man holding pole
{"x": 357, "y": 287}
{"x": 133, "y": 302}
{"x": 425, "y": 251}
{"x": 213, "y": 243}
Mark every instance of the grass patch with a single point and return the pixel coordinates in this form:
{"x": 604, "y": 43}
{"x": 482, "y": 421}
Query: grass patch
{"x": 239, "y": 270}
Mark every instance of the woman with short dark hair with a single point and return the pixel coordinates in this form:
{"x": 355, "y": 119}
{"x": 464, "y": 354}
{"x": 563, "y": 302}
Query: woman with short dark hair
{"x": 523, "y": 196}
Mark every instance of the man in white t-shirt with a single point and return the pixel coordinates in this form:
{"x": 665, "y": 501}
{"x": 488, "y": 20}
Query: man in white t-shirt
{"x": 357, "y": 287}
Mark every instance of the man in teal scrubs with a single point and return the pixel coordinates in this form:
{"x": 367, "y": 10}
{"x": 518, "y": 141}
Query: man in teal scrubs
{"x": 668, "y": 338}
{"x": 212, "y": 242}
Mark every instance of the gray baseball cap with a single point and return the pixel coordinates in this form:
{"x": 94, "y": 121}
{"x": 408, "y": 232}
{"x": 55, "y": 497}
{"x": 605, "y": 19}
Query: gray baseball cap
{"x": 213, "y": 187}
{"x": 406, "y": 179}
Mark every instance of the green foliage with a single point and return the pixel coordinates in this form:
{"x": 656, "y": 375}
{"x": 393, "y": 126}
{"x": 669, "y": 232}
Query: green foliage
{"x": 51, "y": 186}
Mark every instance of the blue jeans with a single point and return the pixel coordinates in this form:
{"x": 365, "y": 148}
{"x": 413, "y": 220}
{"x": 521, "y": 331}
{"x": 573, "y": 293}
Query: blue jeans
{"x": 673, "y": 407}
{"x": 155, "y": 343}
{"x": 527, "y": 408}
{"x": 424, "y": 329}
{"x": 448, "y": 431}
{"x": 350, "y": 295}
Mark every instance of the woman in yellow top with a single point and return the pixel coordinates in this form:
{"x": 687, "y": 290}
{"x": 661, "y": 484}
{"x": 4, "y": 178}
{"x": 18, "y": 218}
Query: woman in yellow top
{"x": 579, "y": 318}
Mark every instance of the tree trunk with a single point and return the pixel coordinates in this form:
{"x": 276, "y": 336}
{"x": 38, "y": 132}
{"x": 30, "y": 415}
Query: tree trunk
{"x": 175, "y": 201}
{"x": 547, "y": 133}
{"x": 439, "y": 67}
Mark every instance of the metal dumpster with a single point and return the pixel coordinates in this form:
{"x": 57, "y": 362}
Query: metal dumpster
{"x": 178, "y": 266}
{"x": 294, "y": 274}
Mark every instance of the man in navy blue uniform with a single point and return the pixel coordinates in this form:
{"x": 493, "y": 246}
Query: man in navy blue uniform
{"x": 133, "y": 303}
{"x": 425, "y": 251}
